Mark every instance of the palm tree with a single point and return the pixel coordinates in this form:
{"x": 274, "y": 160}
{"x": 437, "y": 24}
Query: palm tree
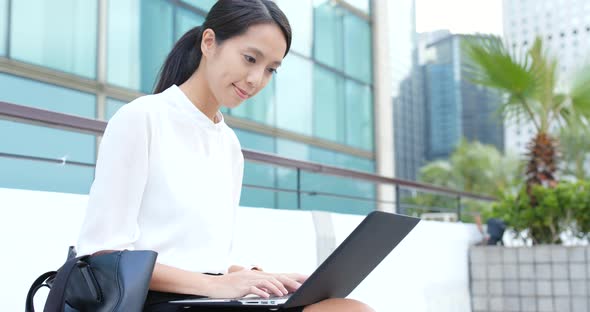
{"x": 530, "y": 83}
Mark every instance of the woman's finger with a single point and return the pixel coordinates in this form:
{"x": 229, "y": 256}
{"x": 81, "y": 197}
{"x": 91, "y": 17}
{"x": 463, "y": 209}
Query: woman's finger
{"x": 270, "y": 286}
{"x": 291, "y": 284}
{"x": 258, "y": 292}
{"x": 279, "y": 285}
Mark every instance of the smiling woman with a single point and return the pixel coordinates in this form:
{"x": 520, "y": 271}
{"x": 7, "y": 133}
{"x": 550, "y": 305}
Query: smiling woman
{"x": 169, "y": 171}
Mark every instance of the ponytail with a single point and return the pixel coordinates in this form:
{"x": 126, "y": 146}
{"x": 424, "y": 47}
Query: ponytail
{"x": 182, "y": 61}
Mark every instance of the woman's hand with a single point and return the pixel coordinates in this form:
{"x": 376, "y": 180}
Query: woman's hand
{"x": 251, "y": 282}
{"x": 246, "y": 282}
{"x": 292, "y": 281}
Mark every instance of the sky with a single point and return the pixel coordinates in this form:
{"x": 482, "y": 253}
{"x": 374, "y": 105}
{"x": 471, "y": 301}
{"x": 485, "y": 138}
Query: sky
{"x": 459, "y": 16}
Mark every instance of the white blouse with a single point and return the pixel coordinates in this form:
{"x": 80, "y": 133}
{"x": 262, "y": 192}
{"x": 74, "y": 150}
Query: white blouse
{"x": 167, "y": 179}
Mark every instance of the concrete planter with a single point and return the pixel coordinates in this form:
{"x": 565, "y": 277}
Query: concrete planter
{"x": 540, "y": 278}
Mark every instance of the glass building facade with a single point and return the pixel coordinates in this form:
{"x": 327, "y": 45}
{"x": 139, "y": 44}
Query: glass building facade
{"x": 89, "y": 58}
{"x": 455, "y": 107}
{"x": 407, "y": 95}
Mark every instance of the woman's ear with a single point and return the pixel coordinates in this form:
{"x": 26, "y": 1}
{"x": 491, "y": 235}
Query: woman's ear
{"x": 208, "y": 43}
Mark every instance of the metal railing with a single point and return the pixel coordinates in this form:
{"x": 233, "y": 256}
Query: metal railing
{"x": 36, "y": 116}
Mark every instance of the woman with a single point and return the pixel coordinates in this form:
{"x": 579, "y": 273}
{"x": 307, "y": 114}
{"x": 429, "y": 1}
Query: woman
{"x": 169, "y": 170}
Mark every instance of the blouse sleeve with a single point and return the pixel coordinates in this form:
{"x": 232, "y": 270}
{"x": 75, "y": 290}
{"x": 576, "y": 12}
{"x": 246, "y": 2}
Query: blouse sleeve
{"x": 120, "y": 178}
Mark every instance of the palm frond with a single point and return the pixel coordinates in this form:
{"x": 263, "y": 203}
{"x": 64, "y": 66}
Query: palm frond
{"x": 491, "y": 64}
{"x": 560, "y": 111}
{"x": 544, "y": 68}
{"x": 559, "y": 99}
{"x": 512, "y": 109}
{"x": 565, "y": 117}
{"x": 580, "y": 93}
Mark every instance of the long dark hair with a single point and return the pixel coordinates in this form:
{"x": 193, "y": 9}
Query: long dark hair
{"x": 227, "y": 18}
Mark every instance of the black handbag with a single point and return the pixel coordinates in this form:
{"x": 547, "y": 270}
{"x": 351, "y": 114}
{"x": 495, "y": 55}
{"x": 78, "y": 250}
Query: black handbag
{"x": 111, "y": 281}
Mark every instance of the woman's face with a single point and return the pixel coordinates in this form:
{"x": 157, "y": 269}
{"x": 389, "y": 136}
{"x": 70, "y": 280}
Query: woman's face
{"x": 241, "y": 66}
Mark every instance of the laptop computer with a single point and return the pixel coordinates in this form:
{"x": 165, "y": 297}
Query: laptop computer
{"x": 371, "y": 241}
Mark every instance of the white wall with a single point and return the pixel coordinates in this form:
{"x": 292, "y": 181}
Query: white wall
{"x": 426, "y": 272}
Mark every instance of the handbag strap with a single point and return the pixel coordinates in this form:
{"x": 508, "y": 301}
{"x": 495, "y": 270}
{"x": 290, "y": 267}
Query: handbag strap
{"x": 56, "y": 298}
{"x": 37, "y": 284}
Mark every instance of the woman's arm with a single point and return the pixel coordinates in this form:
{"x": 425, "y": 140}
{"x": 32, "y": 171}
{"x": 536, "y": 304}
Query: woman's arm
{"x": 120, "y": 177}
{"x": 233, "y": 285}
{"x": 170, "y": 279}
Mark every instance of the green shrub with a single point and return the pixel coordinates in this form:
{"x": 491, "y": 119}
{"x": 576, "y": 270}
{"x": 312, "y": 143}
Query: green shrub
{"x": 565, "y": 208}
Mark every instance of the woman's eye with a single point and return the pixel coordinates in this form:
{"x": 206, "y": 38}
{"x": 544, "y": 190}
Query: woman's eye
{"x": 272, "y": 70}
{"x": 250, "y": 59}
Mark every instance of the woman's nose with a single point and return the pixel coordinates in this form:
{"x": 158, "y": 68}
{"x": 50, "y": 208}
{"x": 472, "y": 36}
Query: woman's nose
{"x": 254, "y": 78}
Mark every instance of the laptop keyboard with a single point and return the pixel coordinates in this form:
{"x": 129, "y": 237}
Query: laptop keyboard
{"x": 269, "y": 298}
{"x": 278, "y": 298}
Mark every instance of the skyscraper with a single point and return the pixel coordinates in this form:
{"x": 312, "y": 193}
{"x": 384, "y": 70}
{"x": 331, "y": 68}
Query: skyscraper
{"x": 407, "y": 97}
{"x": 455, "y": 107}
{"x": 564, "y": 27}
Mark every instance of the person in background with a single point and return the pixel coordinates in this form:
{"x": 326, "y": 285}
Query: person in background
{"x": 494, "y": 231}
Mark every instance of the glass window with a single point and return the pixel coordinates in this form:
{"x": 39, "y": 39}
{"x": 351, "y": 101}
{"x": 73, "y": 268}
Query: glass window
{"x": 39, "y": 141}
{"x": 362, "y": 5}
{"x": 42, "y": 141}
{"x": 257, "y": 174}
{"x": 357, "y": 48}
{"x": 16, "y": 90}
{"x": 337, "y": 159}
{"x": 287, "y": 178}
{"x": 57, "y": 34}
{"x": 262, "y": 175}
{"x": 201, "y": 4}
{"x": 186, "y": 20}
{"x": 45, "y": 176}
{"x": 112, "y": 106}
{"x": 267, "y": 176}
{"x": 137, "y": 47}
{"x": 328, "y": 111}
{"x": 328, "y": 34}
{"x": 260, "y": 108}
{"x": 342, "y": 40}
{"x": 287, "y": 200}
{"x": 300, "y": 15}
{"x": 313, "y": 182}
{"x": 359, "y": 115}
{"x": 294, "y": 95}
{"x": 256, "y": 197}
{"x": 302, "y": 151}
{"x": 3, "y": 25}
{"x": 337, "y": 204}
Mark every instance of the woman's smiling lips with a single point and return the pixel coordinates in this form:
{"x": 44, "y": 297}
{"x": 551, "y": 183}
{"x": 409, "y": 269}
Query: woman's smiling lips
{"x": 241, "y": 93}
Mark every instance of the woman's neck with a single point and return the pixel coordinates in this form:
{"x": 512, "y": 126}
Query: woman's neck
{"x": 198, "y": 92}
